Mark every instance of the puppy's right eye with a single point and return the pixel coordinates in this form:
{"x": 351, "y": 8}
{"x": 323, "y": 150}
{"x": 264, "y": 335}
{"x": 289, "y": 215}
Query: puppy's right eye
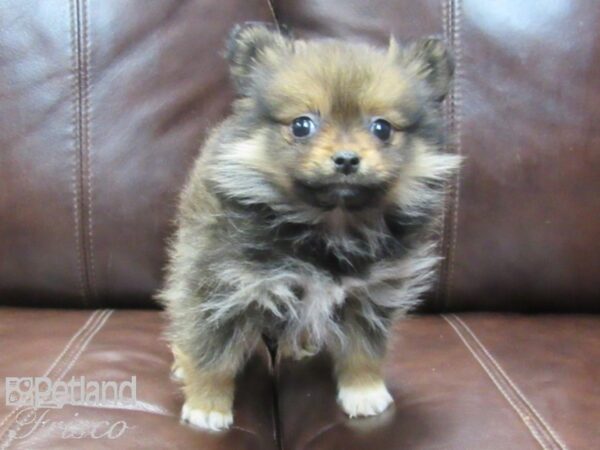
{"x": 303, "y": 127}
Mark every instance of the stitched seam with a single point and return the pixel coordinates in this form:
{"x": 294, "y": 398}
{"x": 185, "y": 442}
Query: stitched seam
{"x": 83, "y": 330}
{"x": 448, "y": 198}
{"x": 534, "y": 427}
{"x": 441, "y": 244}
{"x": 80, "y": 151}
{"x": 79, "y": 35}
{"x": 542, "y": 424}
{"x": 60, "y": 370}
{"x": 72, "y": 340}
{"x": 518, "y": 391}
{"x": 457, "y": 120}
{"x": 274, "y": 16}
{"x": 86, "y": 343}
{"x": 506, "y": 395}
{"x": 103, "y": 318}
{"x": 61, "y": 354}
{"x": 86, "y": 139}
{"x": 75, "y": 183}
{"x": 447, "y": 246}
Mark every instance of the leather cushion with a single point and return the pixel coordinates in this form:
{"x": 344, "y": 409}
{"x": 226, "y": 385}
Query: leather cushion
{"x": 478, "y": 381}
{"x": 108, "y": 345}
{"x": 103, "y": 107}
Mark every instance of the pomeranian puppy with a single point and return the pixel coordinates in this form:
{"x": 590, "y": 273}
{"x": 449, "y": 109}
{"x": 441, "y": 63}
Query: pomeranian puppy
{"x": 309, "y": 215}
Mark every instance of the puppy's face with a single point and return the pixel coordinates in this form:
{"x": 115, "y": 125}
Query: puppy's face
{"x": 336, "y": 124}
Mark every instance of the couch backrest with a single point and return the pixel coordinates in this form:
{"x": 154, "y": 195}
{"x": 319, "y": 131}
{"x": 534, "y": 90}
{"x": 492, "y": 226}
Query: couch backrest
{"x": 104, "y": 103}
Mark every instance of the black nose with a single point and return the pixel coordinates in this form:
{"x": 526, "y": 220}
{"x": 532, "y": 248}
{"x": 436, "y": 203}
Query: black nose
{"x": 346, "y": 162}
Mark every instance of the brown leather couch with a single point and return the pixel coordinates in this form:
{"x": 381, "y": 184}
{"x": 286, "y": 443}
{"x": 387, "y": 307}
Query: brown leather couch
{"x": 103, "y": 105}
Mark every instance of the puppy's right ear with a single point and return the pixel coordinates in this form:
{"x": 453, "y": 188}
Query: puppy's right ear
{"x": 250, "y": 45}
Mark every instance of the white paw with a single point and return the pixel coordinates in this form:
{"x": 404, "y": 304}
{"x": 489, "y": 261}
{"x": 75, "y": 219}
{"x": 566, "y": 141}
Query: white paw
{"x": 207, "y": 420}
{"x": 364, "y": 400}
{"x": 178, "y": 374}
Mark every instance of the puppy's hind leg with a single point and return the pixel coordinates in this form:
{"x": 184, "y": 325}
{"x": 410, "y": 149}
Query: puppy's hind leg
{"x": 208, "y": 394}
{"x": 209, "y": 362}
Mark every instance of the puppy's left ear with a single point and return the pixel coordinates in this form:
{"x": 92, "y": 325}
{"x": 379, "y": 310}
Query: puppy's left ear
{"x": 432, "y": 62}
{"x": 250, "y": 45}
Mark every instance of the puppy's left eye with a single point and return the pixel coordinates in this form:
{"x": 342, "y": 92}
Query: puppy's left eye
{"x": 381, "y": 129}
{"x": 303, "y": 127}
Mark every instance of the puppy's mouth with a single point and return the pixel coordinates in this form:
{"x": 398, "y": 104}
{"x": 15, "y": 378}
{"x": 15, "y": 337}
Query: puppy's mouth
{"x": 351, "y": 196}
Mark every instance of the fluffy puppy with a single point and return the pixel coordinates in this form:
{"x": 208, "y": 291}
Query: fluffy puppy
{"x": 308, "y": 216}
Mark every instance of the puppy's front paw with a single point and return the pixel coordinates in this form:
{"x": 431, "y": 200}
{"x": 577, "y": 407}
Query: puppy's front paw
{"x": 369, "y": 400}
{"x": 207, "y": 420}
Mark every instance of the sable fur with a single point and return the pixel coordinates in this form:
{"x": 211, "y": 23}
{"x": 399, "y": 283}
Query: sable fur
{"x": 261, "y": 245}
